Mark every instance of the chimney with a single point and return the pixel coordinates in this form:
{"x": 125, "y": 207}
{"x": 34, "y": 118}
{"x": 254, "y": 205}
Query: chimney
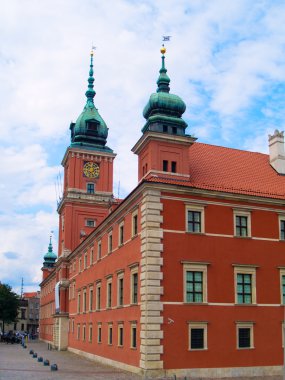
{"x": 276, "y": 151}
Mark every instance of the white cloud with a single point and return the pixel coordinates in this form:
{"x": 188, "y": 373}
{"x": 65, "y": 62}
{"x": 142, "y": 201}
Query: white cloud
{"x": 224, "y": 58}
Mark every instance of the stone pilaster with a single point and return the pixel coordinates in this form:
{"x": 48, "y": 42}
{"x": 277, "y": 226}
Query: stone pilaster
{"x": 151, "y": 289}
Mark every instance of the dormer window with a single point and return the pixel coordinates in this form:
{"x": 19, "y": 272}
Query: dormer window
{"x": 165, "y": 165}
{"x": 92, "y": 125}
{"x": 173, "y": 166}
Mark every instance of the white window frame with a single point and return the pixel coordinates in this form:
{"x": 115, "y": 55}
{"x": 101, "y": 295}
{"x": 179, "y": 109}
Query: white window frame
{"x": 98, "y": 305}
{"x": 99, "y": 250}
{"x": 79, "y": 302}
{"x": 121, "y": 234}
{"x": 109, "y": 281}
{"x": 99, "y": 328}
{"x": 135, "y": 214}
{"x": 85, "y": 261}
{"x": 84, "y": 300}
{"x": 195, "y": 267}
{"x": 244, "y": 269}
{"x": 120, "y": 328}
{"x": 282, "y": 273}
{"x": 134, "y": 326}
{"x": 120, "y": 276}
{"x": 91, "y": 295}
{"x": 198, "y": 325}
{"x": 246, "y": 214}
{"x": 91, "y": 223}
{"x": 90, "y": 333}
{"x": 110, "y": 242}
{"x": 195, "y": 208}
{"x": 245, "y": 325}
{"x": 110, "y": 334}
{"x": 78, "y": 331}
{"x": 134, "y": 270}
{"x": 281, "y": 218}
{"x": 84, "y": 332}
{"x": 91, "y": 255}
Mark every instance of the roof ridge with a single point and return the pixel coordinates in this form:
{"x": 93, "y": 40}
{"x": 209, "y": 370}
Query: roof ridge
{"x": 228, "y": 148}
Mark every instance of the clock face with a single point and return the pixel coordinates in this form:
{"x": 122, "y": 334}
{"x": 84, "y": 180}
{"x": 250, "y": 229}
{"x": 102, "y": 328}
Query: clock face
{"x": 91, "y": 170}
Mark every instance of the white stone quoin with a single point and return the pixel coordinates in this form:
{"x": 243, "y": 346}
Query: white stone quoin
{"x": 276, "y": 151}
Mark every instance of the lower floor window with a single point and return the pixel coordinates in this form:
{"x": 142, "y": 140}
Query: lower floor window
{"x": 197, "y": 336}
{"x": 245, "y": 336}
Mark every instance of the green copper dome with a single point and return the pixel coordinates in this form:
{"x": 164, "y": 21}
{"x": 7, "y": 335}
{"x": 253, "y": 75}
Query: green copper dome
{"x": 90, "y": 130}
{"x": 50, "y": 257}
{"x": 164, "y": 110}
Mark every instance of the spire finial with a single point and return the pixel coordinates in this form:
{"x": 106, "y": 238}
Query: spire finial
{"x": 163, "y": 79}
{"x": 90, "y": 93}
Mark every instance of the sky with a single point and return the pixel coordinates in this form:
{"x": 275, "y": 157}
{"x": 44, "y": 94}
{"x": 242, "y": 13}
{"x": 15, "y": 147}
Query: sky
{"x": 225, "y": 59}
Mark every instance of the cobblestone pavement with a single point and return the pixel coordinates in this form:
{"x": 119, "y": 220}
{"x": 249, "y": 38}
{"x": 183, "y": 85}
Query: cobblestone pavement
{"x": 17, "y": 364}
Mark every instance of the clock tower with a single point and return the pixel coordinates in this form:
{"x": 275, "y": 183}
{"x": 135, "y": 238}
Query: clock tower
{"x": 88, "y": 175}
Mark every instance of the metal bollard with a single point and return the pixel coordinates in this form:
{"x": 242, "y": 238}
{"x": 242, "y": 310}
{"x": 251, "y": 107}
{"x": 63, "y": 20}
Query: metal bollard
{"x": 53, "y": 367}
{"x": 46, "y": 362}
{"x": 40, "y": 359}
{"x": 35, "y": 355}
{"x": 31, "y": 352}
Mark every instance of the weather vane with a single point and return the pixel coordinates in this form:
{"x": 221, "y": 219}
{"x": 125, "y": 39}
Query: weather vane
{"x": 166, "y": 38}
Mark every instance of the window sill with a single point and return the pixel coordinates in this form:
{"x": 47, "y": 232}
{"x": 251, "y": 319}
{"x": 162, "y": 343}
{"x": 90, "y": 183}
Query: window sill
{"x": 196, "y": 303}
{"x": 243, "y": 237}
{"x": 246, "y": 304}
{"x": 245, "y": 348}
{"x": 120, "y": 306}
{"x": 195, "y": 233}
{"x": 136, "y": 235}
{"x": 197, "y": 349}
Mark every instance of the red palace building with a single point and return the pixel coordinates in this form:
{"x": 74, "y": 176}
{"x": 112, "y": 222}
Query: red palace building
{"x": 184, "y": 276}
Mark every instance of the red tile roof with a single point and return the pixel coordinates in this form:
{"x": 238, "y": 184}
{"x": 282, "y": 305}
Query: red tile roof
{"x": 29, "y": 295}
{"x": 232, "y": 171}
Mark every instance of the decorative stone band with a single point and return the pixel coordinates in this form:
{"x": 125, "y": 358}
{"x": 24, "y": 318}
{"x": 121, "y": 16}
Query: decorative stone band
{"x": 151, "y": 276}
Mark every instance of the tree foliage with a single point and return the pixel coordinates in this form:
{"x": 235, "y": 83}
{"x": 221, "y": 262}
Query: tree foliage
{"x": 9, "y": 304}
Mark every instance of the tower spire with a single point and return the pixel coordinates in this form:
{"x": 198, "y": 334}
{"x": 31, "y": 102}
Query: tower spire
{"x": 90, "y": 93}
{"x": 163, "y": 79}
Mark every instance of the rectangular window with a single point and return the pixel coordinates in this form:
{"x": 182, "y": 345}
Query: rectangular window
{"x": 90, "y": 333}
{"x": 165, "y": 165}
{"x": 121, "y": 234}
{"x": 194, "y": 221}
{"x": 173, "y": 166}
{"x": 109, "y": 293}
{"x": 282, "y": 229}
{"x": 135, "y": 224}
{"x": 245, "y": 335}
{"x": 99, "y": 335}
{"x": 78, "y": 332}
{"x": 245, "y": 285}
{"x": 133, "y": 336}
{"x": 99, "y": 252}
{"x": 241, "y": 225}
{"x": 134, "y": 288}
{"x": 197, "y": 336}
{"x": 98, "y": 297}
{"x": 90, "y": 223}
{"x": 120, "y": 335}
{"x": 91, "y": 256}
{"x": 91, "y": 299}
{"x": 165, "y": 128}
{"x": 174, "y": 130}
{"x": 85, "y": 261}
{"x": 84, "y": 333}
{"x": 90, "y": 188}
{"x": 110, "y": 334}
{"x": 110, "y": 242}
{"x": 80, "y": 264}
{"x": 282, "y": 286}
{"x": 84, "y": 301}
{"x": 120, "y": 291}
{"x": 78, "y": 302}
{"x": 195, "y": 282}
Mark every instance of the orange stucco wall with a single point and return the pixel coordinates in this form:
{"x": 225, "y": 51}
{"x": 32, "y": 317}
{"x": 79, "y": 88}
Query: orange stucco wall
{"x": 221, "y": 252}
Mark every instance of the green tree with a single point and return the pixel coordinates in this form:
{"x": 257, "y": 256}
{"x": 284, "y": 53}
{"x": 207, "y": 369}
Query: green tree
{"x": 9, "y": 304}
